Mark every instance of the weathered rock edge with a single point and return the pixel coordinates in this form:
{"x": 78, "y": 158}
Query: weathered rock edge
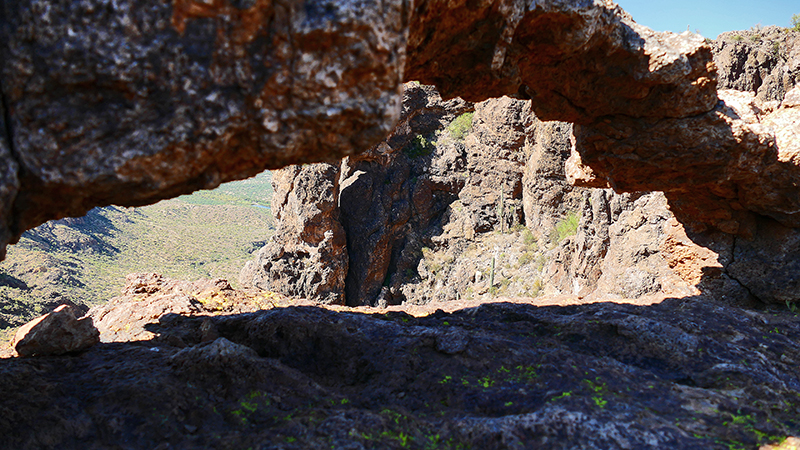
{"x": 167, "y": 98}
{"x": 686, "y": 373}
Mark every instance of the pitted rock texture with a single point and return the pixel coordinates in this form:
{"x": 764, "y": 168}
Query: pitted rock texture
{"x": 431, "y": 217}
{"x": 690, "y": 373}
{"x": 718, "y": 169}
{"x": 307, "y": 256}
{"x": 578, "y": 61}
{"x": 134, "y": 101}
{"x": 170, "y": 97}
{"x": 376, "y": 206}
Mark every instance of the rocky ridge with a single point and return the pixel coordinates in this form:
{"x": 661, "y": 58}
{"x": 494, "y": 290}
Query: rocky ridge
{"x": 491, "y": 213}
{"x": 682, "y": 373}
{"x": 765, "y": 61}
{"x": 221, "y": 109}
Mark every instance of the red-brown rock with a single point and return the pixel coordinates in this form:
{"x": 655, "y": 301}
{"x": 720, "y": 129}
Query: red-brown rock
{"x": 56, "y": 333}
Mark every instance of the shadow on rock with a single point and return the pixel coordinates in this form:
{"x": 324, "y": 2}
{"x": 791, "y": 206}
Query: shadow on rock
{"x": 685, "y": 373}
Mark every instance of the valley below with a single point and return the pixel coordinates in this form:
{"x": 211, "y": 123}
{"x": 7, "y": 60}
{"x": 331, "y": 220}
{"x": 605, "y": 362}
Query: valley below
{"x": 85, "y": 260}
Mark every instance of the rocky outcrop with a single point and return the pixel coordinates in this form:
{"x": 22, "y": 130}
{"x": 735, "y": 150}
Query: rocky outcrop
{"x": 447, "y": 209}
{"x": 172, "y": 97}
{"x": 736, "y": 161}
{"x": 392, "y": 194}
{"x": 136, "y": 102}
{"x": 736, "y": 177}
{"x": 377, "y": 204}
{"x": 684, "y": 373}
{"x": 306, "y": 256}
{"x": 763, "y": 61}
{"x": 577, "y": 61}
{"x": 150, "y": 299}
{"x": 56, "y": 333}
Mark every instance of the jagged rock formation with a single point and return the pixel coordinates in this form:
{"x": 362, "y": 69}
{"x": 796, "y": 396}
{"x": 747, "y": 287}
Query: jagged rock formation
{"x": 307, "y": 256}
{"x": 238, "y": 88}
{"x": 764, "y": 61}
{"x": 432, "y": 217}
{"x": 684, "y": 374}
{"x": 375, "y": 203}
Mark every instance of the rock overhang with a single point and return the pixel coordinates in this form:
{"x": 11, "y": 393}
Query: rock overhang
{"x": 168, "y": 98}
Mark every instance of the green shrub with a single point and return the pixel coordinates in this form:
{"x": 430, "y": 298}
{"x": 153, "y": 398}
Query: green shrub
{"x": 460, "y": 126}
{"x": 529, "y": 240}
{"x": 568, "y": 226}
{"x": 419, "y": 146}
{"x": 526, "y": 258}
{"x": 737, "y": 38}
{"x": 536, "y": 289}
{"x": 796, "y": 22}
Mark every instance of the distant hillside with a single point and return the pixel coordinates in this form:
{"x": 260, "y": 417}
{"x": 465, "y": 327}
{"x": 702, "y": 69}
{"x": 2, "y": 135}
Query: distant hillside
{"x": 206, "y": 234}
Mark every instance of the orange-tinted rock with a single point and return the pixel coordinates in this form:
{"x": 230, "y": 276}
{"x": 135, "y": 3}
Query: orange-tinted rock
{"x": 56, "y": 333}
{"x": 135, "y": 101}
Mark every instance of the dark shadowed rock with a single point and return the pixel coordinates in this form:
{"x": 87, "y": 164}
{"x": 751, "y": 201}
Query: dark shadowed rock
{"x": 578, "y": 61}
{"x": 689, "y": 373}
{"x": 56, "y": 333}
{"x": 718, "y": 169}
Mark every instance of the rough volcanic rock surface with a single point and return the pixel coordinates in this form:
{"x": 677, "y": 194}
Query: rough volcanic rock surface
{"x": 376, "y": 207}
{"x": 430, "y": 216}
{"x": 547, "y": 194}
{"x": 166, "y": 98}
{"x": 307, "y": 256}
{"x": 132, "y": 102}
{"x": 685, "y": 373}
{"x": 737, "y": 175}
{"x": 492, "y": 194}
{"x": 578, "y": 61}
{"x": 392, "y": 195}
{"x": 763, "y": 61}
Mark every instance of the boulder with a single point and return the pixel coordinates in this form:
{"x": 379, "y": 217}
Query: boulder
{"x": 56, "y": 333}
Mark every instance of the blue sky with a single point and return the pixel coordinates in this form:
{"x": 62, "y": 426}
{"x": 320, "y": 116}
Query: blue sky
{"x": 710, "y": 17}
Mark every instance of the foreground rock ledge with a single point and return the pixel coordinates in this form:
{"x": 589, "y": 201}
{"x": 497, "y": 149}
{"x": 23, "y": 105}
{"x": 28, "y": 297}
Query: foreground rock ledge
{"x": 682, "y": 374}
{"x": 166, "y": 98}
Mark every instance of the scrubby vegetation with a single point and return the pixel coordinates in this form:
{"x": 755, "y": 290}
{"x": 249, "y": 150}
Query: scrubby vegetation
{"x": 460, "y": 126}
{"x": 796, "y": 22}
{"x": 566, "y": 227}
{"x": 206, "y": 234}
{"x": 419, "y": 146}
